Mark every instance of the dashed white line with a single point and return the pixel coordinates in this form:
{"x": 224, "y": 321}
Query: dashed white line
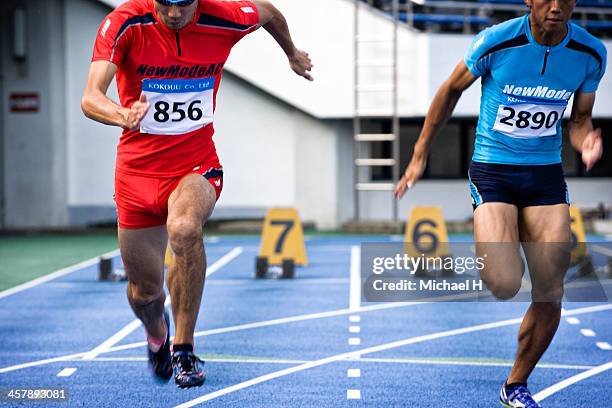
{"x": 353, "y": 394}
{"x": 587, "y": 333}
{"x": 572, "y": 320}
{"x": 354, "y": 306}
{"x": 355, "y": 283}
{"x": 354, "y": 341}
{"x": 382, "y": 347}
{"x": 604, "y": 345}
{"x": 353, "y": 373}
{"x": 66, "y": 372}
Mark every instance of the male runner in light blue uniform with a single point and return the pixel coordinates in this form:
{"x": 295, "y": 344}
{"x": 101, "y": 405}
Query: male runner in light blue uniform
{"x": 530, "y": 67}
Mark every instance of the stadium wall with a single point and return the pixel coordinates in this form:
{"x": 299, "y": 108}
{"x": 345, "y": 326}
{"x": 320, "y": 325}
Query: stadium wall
{"x": 283, "y": 141}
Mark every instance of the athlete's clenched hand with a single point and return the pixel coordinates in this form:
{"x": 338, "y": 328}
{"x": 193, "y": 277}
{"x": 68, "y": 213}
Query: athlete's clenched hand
{"x": 413, "y": 173}
{"x": 301, "y": 64}
{"x": 136, "y": 113}
{"x": 592, "y": 148}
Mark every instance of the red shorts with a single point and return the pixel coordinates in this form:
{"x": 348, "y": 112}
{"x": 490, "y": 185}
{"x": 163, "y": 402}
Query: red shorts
{"x": 142, "y": 202}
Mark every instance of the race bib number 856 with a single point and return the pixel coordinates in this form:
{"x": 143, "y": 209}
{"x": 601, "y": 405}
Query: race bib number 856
{"x": 177, "y": 106}
{"x": 528, "y": 117}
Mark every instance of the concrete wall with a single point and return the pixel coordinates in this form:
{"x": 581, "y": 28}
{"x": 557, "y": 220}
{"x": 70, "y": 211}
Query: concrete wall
{"x": 273, "y": 155}
{"x": 57, "y": 166}
{"x": 34, "y": 159}
{"x": 424, "y": 61}
{"x": 91, "y": 146}
{"x": 269, "y": 149}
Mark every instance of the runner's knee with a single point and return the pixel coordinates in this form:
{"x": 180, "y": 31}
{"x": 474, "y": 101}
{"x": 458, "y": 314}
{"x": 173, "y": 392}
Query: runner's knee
{"x": 503, "y": 279}
{"x": 503, "y": 287}
{"x": 144, "y": 293}
{"x": 183, "y": 233}
{"x": 547, "y": 293}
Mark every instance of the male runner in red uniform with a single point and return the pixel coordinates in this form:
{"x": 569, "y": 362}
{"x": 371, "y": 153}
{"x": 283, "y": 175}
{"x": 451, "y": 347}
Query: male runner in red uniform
{"x": 168, "y": 58}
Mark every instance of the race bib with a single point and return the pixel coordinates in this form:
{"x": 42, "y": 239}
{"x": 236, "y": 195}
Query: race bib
{"x": 528, "y": 117}
{"x": 177, "y": 106}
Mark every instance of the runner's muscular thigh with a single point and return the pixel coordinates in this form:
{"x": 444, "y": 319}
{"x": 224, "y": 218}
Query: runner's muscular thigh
{"x": 194, "y": 199}
{"x": 142, "y": 251}
{"x": 494, "y": 224}
{"x": 546, "y": 229}
{"x": 547, "y": 223}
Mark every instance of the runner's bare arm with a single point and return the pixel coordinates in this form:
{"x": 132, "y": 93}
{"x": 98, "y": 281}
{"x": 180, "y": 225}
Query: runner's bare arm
{"x": 582, "y": 136}
{"x": 439, "y": 112}
{"x": 274, "y": 22}
{"x": 99, "y": 107}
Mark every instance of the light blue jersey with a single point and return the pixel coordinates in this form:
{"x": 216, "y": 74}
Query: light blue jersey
{"x": 526, "y": 87}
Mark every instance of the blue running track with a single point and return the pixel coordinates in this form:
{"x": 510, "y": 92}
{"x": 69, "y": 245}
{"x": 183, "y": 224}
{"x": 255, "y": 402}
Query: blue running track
{"x": 284, "y": 343}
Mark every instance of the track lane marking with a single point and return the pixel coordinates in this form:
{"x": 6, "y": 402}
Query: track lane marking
{"x": 587, "y": 332}
{"x": 571, "y": 381}
{"x": 66, "y": 372}
{"x": 374, "y": 349}
{"x": 57, "y": 274}
{"x": 136, "y": 323}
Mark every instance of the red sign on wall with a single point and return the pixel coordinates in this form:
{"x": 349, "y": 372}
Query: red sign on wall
{"x": 24, "y": 102}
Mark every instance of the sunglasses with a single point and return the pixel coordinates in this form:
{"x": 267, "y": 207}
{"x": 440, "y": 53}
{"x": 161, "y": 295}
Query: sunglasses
{"x": 179, "y": 3}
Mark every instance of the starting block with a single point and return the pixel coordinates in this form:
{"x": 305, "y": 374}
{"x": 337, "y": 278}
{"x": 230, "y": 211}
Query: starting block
{"x": 282, "y": 245}
{"x": 580, "y": 256}
{"x": 107, "y": 271}
{"x": 426, "y": 235}
{"x": 169, "y": 257}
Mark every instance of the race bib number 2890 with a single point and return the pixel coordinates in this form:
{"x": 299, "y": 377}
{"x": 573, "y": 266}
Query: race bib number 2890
{"x": 528, "y": 117}
{"x": 177, "y": 106}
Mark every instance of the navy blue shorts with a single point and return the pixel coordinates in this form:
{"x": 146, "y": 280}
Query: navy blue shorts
{"x": 522, "y": 186}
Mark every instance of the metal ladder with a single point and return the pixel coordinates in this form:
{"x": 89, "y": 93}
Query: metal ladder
{"x": 362, "y": 166}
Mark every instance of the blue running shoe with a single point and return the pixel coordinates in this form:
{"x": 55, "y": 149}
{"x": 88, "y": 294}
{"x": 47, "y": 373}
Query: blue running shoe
{"x": 160, "y": 363}
{"x": 517, "y": 397}
{"x": 187, "y": 371}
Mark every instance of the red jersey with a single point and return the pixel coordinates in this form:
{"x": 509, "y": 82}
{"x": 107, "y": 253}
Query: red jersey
{"x": 179, "y": 72}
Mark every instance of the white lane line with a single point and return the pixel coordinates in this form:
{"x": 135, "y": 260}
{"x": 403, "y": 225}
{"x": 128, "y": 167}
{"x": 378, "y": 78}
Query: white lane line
{"x": 353, "y": 373}
{"x": 353, "y": 394}
{"x": 42, "y": 362}
{"x": 66, "y": 372}
{"x": 572, "y": 320}
{"x": 587, "y": 333}
{"x": 571, "y": 381}
{"x": 375, "y": 349}
{"x": 114, "y": 339}
{"x": 136, "y": 323}
{"x": 274, "y": 322}
{"x": 355, "y": 285}
{"x": 355, "y": 319}
{"x": 604, "y": 345}
{"x": 56, "y": 274}
{"x": 224, "y": 260}
{"x": 591, "y": 309}
{"x": 601, "y": 249}
{"x": 309, "y": 316}
{"x": 354, "y": 306}
{"x": 208, "y": 360}
{"x": 467, "y": 363}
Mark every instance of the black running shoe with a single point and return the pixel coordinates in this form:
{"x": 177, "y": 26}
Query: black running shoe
{"x": 160, "y": 363}
{"x": 187, "y": 371}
